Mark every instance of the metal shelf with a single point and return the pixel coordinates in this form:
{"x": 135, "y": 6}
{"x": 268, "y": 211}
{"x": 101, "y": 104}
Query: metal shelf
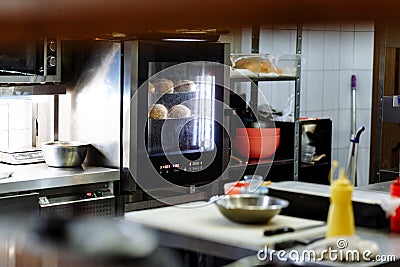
{"x": 308, "y": 165}
{"x": 261, "y": 162}
{"x": 28, "y": 90}
{"x": 263, "y": 79}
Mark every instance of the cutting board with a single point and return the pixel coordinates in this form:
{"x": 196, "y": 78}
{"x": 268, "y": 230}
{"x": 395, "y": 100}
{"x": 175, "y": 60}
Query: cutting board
{"x": 207, "y": 223}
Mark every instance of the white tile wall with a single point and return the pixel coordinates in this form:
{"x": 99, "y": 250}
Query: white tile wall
{"x": 331, "y": 50}
{"x": 3, "y": 140}
{"x": 332, "y": 53}
{"x": 266, "y": 44}
{"x": 330, "y": 90}
{"x": 293, "y": 39}
{"x": 346, "y": 47}
{"x": 281, "y": 42}
{"x": 3, "y": 117}
{"x": 363, "y": 50}
{"x": 316, "y": 48}
{"x": 315, "y": 96}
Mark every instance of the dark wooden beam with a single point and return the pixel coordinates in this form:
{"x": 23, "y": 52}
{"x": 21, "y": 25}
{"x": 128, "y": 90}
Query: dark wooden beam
{"x": 22, "y": 18}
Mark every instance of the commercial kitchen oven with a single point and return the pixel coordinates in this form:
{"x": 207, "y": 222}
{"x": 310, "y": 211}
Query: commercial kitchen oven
{"x": 176, "y": 157}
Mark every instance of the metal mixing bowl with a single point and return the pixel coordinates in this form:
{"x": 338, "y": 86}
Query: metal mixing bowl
{"x": 250, "y": 209}
{"x": 64, "y": 154}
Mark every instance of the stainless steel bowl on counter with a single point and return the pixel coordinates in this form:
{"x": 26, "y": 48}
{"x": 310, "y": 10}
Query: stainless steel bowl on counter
{"x": 249, "y": 208}
{"x": 64, "y": 154}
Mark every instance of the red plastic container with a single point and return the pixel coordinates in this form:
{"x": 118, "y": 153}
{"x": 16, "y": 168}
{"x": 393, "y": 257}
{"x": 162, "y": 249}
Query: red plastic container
{"x": 395, "y": 220}
{"x": 258, "y": 132}
{"x": 256, "y": 147}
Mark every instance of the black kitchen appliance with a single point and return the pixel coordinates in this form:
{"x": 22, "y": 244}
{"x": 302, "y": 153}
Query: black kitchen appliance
{"x": 30, "y": 61}
{"x": 181, "y": 152}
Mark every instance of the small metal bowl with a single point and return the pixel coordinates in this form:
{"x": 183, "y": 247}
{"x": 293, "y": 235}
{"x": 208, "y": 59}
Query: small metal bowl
{"x": 64, "y": 154}
{"x": 250, "y": 209}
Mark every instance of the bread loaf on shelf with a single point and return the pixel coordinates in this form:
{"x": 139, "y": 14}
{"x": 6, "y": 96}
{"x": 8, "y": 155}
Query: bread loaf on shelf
{"x": 163, "y": 86}
{"x": 158, "y": 112}
{"x": 257, "y": 65}
{"x": 185, "y": 86}
{"x": 179, "y": 111}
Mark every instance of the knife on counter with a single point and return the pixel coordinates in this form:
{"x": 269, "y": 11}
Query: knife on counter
{"x": 286, "y": 229}
{"x": 291, "y": 243}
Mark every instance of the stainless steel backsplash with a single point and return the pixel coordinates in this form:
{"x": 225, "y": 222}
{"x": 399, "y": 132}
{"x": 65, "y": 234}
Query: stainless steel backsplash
{"x": 91, "y": 69}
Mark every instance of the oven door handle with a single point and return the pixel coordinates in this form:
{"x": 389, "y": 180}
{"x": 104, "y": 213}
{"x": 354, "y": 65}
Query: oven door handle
{"x": 43, "y": 203}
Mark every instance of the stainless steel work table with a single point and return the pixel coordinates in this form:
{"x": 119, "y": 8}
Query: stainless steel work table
{"x": 40, "y": 176}
{"x": 179, "y": 228}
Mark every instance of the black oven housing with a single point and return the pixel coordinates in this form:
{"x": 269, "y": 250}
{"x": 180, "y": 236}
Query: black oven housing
{"x": 137, "y": 73}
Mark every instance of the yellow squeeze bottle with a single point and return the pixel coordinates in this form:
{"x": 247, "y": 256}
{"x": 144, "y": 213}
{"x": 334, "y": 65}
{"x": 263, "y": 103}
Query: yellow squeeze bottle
{"x": 341, "y": 216}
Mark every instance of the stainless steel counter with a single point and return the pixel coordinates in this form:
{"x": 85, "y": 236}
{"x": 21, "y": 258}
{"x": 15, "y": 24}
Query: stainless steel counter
{"x": 40, "y": 176}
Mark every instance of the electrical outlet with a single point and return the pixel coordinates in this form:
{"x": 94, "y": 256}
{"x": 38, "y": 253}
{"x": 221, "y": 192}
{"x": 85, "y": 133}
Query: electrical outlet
{"x": 396, "y": 101}
{"x": 192, "y": 189}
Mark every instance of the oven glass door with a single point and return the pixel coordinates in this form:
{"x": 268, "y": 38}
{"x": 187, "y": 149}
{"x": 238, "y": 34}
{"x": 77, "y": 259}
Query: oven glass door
{"x": 184, "y": 131}
{"x": 182, "y": 118}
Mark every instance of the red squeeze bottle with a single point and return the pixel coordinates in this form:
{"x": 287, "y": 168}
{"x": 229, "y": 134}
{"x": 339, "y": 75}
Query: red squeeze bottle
{"x": 395, "y": 219}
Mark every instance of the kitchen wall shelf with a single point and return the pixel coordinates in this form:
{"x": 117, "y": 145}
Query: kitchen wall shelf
{"x": 289, "y": 150}
{"x": 28, "y": 90}
{"x": 262, "y": 79}
{"x": 253, "y": 103}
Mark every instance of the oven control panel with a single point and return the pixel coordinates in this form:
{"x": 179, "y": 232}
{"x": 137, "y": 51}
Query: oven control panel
{"x": 190, "y": 166}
